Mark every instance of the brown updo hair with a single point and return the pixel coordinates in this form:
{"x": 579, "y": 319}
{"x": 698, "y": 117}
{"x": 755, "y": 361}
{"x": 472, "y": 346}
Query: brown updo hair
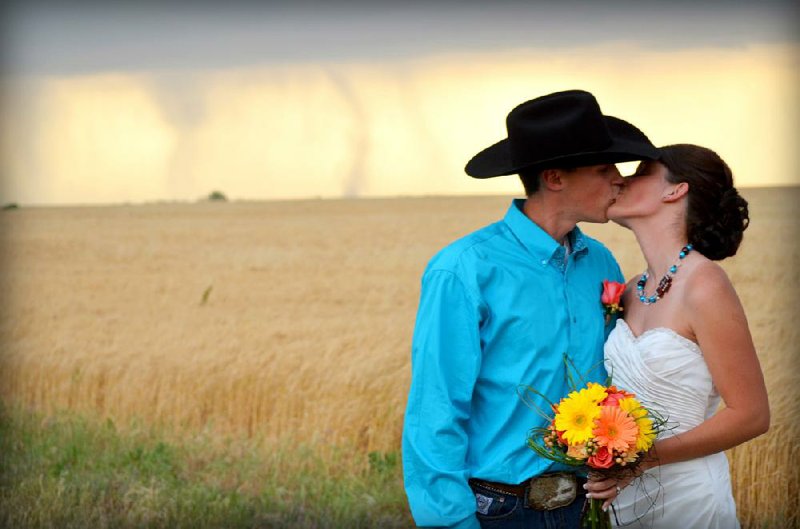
{"x": 717, "y": 215}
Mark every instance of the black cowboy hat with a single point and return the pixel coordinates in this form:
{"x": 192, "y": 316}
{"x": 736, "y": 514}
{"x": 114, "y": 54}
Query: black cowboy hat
{"x": 564, "y": 129}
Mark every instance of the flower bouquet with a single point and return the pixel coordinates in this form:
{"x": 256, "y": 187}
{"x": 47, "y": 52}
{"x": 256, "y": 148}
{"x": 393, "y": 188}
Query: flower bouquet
{"x": 600, "y": 428}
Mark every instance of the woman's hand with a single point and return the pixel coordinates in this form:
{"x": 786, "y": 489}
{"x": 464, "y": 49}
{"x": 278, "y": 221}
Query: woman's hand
{"x": 602, "y": 487}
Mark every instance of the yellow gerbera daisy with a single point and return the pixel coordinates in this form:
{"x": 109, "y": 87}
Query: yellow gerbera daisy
{"x": 576, "y": 415}
{"x": 632, "y": 407}
{"x": 646, "y": 436}
{"x": 596, "y": 392}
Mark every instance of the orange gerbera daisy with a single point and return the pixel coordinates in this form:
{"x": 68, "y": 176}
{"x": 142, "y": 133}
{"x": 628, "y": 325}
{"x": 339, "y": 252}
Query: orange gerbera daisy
{"x": 615, "y": 429}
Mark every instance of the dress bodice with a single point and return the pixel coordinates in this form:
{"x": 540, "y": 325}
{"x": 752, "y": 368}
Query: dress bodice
{"x": 666, "y": 371}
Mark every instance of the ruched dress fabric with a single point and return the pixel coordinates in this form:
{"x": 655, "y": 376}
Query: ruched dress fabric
{"x": 668, "y": 374}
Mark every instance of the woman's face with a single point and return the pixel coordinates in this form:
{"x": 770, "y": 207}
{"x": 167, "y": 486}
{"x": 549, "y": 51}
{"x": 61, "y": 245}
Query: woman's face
{"x": 641, "y": 193}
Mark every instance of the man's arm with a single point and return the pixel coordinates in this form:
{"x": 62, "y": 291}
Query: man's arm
{"x": 445, "y": 361}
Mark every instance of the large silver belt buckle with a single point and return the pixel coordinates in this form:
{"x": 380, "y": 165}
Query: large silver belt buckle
{"x": 552, "y": 491}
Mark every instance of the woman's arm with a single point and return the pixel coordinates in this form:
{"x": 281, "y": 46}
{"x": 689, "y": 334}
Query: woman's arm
{"x": 720, "y": 327}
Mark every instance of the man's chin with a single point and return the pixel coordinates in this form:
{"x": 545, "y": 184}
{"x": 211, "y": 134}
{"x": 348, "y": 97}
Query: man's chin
{"x": 597, "y": 220}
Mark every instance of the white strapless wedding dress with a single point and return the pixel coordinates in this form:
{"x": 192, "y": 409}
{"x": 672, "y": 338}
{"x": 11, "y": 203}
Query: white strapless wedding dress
{"x": 667, "y": 373}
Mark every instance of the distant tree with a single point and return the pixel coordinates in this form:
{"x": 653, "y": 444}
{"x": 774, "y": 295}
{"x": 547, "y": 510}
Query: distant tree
{"x": 12, "y": 205}
{"x": 217, "y": 196}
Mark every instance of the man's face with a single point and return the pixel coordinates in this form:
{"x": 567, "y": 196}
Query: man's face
{"x": 592, "y": 189}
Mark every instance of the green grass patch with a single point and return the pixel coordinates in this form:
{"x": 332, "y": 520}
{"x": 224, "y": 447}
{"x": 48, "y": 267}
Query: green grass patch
{"x": 69, "y": 471}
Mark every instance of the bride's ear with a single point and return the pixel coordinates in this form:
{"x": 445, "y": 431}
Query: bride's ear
{"x": 677, "y": 192}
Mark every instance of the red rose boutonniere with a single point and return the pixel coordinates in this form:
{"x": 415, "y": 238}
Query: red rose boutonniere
{"x": 612, "y": 293}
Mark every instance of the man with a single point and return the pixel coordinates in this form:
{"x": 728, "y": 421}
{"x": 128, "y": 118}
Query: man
{"x": 500, "y": 308}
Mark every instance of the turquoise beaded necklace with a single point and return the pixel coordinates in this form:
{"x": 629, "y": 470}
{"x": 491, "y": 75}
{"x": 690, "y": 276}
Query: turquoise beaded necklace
{"x": 666, "y": 281}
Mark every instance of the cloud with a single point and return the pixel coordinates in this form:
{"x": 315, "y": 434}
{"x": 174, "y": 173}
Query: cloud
{"x": 373, "y": 129}
{"x": 91, "y": 37}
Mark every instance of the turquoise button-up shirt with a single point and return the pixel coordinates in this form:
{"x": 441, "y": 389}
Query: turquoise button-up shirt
{"x": 498, "y": 309}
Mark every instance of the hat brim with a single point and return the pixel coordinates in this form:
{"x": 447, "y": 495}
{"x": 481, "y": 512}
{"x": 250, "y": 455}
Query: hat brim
{"x": 496, "y": 160}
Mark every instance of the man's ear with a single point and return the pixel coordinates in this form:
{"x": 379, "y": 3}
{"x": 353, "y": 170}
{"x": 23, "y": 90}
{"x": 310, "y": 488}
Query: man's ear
{"x": 552, "y": 179}
{"x": 677, "y": 192}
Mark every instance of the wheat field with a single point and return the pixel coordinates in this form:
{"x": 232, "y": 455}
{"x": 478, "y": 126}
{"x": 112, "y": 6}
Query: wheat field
{"x": 292, "y": 320}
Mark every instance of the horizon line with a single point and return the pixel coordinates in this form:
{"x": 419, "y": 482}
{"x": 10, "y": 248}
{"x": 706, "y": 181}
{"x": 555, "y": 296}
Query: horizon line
{"x": 11, "y": 205}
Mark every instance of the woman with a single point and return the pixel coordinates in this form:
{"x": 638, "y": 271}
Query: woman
{"x": 684, "y": 342}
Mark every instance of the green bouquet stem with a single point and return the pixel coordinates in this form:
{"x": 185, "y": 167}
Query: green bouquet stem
{"x": 594, "y": 517}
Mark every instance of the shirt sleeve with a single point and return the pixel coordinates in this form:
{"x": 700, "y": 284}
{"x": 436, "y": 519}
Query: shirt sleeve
{"x": 445, "y": 361}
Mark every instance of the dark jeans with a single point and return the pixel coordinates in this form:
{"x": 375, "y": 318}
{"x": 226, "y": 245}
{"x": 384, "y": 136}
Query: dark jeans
{"x": 509, "y": 512}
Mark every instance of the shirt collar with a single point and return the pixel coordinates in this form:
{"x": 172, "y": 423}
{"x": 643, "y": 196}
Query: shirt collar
{"x": 538, "y": 242}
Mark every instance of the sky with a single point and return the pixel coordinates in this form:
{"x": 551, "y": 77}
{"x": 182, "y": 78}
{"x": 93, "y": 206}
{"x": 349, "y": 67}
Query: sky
{"x": 123, "y": 103}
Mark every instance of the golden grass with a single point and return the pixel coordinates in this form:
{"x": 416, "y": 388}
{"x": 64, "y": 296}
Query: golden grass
{"x": 304, "y": 333}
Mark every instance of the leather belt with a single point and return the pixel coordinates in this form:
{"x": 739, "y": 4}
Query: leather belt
{"x": 513, "y": 490}
{"x": 545, "y": 492}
